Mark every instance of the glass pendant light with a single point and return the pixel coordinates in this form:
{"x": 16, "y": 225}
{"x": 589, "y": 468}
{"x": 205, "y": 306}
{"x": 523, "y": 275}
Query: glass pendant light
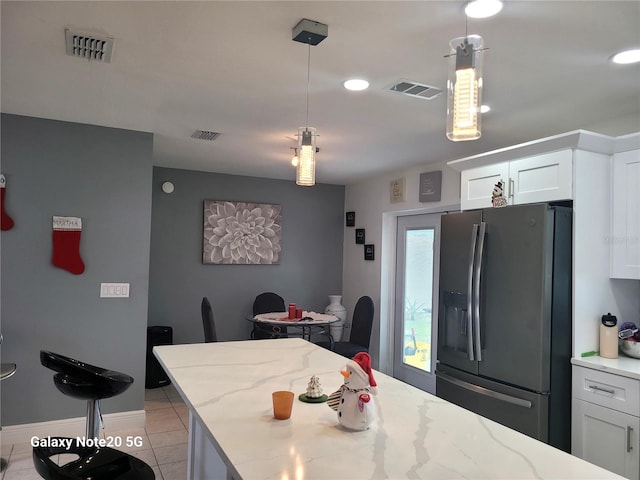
{"x": 464, "y": 88}
{"x": 306, "y": 170}
{"x": 311, "y": 33}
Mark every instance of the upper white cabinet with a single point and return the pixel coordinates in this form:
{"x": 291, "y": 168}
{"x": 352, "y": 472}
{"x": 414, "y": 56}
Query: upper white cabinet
{"x": 540, "y": 178}
{"x": 538, "y": 171}
{"x": 625, "y": 215}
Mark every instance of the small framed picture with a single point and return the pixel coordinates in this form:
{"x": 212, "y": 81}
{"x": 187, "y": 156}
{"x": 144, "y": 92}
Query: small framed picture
{"x": 350, "y": 219}
{"x": 369, "y": 252}
{"x": 396, "y": 190}
{"x": 360, "y": 236}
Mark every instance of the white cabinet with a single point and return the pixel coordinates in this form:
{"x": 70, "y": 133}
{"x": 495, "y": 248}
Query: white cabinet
{"x": 625, "y": 215}
{"x": 605, "y": 421}
{"x": 606, "y": 438}
{"x": 539, "y": 178}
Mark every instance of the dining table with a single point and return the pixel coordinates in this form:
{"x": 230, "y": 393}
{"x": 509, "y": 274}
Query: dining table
{"x": 233, "y": 435}
{"x": 309, "y": 323}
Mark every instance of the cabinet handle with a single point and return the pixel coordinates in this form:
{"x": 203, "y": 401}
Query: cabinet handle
{"x": 512, "y": 187}
{"x": 600, "y": 389}
{"x": 629, "y": 430}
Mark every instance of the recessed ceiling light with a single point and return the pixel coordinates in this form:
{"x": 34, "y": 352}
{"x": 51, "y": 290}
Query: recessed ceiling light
{"x": 482, "y": 8}
{"x": 485, "y": 108}
{"x": 356, "y": 84}
{"x": 626, "y": 57}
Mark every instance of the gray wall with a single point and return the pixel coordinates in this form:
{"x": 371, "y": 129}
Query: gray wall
{"x": 102, "y": 175}
{"x": 311, "y": 261}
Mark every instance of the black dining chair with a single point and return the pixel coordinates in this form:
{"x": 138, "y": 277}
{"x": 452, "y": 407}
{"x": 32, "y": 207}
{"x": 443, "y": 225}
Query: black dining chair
{"x": 207, "y": 321}
{"x": 268, "y": 302}
{"x": 361, "y": 326}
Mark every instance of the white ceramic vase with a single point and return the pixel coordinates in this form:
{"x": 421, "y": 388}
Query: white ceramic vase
{"x": 336, "y": 308}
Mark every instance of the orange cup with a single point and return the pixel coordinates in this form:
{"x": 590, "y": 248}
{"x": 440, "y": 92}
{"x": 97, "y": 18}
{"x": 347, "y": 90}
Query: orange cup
{"x": 282, "y": 404}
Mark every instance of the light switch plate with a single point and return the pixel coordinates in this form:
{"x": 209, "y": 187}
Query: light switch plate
{"x": 114, "y": 290}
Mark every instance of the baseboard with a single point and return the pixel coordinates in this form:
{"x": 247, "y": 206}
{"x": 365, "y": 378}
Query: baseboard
{"x": 71, "y": 427}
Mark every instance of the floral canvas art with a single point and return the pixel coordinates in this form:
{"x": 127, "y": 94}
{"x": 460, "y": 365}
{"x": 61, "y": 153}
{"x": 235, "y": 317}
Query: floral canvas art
{"x": 241, "y": 233}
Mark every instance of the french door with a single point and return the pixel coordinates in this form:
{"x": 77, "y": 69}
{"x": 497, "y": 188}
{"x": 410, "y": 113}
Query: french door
{"x": 416, "y": 294}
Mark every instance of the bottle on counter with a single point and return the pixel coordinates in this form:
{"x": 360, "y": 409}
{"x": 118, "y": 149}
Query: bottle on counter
{"x": 609, "y": 336}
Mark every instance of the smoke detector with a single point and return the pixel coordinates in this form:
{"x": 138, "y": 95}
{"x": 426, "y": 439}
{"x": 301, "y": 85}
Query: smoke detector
{"x": 88, "y": 46}
{"x": 415, "y": 89}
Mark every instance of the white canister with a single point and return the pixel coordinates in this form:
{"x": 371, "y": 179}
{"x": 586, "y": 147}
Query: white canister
{"x": 336, "y": 308}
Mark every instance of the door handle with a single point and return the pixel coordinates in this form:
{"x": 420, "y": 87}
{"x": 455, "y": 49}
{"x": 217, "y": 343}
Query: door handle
{"x": 600, "y": 389}
{"x": 476, "y": 286}
{"x": 472, "y": 256}
{"x": 485, "y": 391}
{"x": 512, "y": 187}
{"x": 629, "y": 447}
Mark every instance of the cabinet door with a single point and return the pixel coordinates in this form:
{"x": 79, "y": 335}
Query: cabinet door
{"x": 477, "y": 185}
{"x": 606, "y": 437}
{"x": 542, "y": 178}
{"x": 625, "y": 215}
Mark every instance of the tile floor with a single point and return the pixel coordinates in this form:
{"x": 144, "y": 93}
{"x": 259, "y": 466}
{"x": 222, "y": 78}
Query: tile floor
{"x": 164, "y": 440}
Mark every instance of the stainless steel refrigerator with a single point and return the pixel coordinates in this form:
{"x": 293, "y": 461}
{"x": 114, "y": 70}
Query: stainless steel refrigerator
{"x": 504, "y": 322}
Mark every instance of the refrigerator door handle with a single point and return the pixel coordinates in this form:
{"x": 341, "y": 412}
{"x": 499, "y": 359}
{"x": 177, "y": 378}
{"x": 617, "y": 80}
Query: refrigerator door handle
{"x": 476, "y": 288}
{"x": 472, "y": 255}
{"x": 485, "y": 391}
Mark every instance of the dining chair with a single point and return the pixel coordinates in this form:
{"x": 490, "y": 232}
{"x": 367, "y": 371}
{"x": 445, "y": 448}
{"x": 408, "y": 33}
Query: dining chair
{"x": 207, "y": 321}
{"x": 361, "y": 325}
{"x": 268, "y": 302}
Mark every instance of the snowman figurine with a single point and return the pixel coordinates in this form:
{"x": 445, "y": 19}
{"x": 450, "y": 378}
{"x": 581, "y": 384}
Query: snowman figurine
{"x": 354, "y": 401}
{"x": 497, "y": 196}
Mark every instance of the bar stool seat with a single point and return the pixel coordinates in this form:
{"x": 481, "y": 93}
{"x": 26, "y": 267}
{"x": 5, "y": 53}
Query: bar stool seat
{"x": 87, "y": 382}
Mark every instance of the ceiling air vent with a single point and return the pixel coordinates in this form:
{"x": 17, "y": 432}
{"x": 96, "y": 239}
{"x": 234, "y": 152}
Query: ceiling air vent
{"x": 205, "y": 135}
{"x": 88, "y": 46}
{"x": 414, "y": 89}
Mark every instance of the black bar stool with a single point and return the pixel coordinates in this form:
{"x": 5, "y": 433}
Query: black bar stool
{"x": 6, "y": 370}
{"x": 81, "y": 380}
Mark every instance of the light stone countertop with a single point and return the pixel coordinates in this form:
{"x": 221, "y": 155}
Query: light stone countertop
{"x": 623, "y": 365}
{"x": 228, "y": 385}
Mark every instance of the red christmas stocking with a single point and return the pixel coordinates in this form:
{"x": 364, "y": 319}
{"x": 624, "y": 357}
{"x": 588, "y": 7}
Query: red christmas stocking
{"x": 66, "y": 244}
{"x": 6, "y": 223}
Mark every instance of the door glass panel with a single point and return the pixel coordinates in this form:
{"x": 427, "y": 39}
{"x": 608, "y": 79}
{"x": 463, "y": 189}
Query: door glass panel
{"x": 418, "y": 298}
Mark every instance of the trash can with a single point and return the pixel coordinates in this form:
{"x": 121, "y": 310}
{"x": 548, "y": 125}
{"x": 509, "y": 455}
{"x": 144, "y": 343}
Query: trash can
{"x": 155, "y": 375}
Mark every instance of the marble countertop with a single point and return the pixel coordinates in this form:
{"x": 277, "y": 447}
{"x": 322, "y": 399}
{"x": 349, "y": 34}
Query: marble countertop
{"x": 623, "y": 365}
{"x": 227, "y": 386}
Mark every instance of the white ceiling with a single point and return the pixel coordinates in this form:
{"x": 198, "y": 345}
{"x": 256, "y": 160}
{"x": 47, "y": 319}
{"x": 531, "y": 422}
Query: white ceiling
{"x": 232, "y": 67}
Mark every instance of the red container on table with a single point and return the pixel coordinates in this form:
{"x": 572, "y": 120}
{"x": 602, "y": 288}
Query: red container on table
{"x": 298, "y": 313}
{"x": 292, "y": 311}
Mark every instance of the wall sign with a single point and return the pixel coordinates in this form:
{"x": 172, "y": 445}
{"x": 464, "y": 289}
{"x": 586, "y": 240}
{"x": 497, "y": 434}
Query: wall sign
{"x": 360, "y": 236}
{"x": 396, "y": 190}
{"x": 430, "y": 186}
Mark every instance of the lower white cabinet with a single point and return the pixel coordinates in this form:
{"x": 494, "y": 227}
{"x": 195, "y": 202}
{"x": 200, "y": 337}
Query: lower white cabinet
{"x": 606, "y": 437}
{"x": 605, "y": 420}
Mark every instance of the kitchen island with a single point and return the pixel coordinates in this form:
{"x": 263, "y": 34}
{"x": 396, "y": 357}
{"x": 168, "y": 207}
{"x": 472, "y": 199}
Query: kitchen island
{"x": 227, "y": 387}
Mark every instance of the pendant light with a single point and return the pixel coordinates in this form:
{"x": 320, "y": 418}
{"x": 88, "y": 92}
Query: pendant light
{"x": 311, "y": 33}
{"x": 464, "y": 88}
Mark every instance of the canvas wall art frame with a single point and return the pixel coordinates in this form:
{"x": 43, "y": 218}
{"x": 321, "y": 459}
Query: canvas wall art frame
{"x": 241, "y": 233}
